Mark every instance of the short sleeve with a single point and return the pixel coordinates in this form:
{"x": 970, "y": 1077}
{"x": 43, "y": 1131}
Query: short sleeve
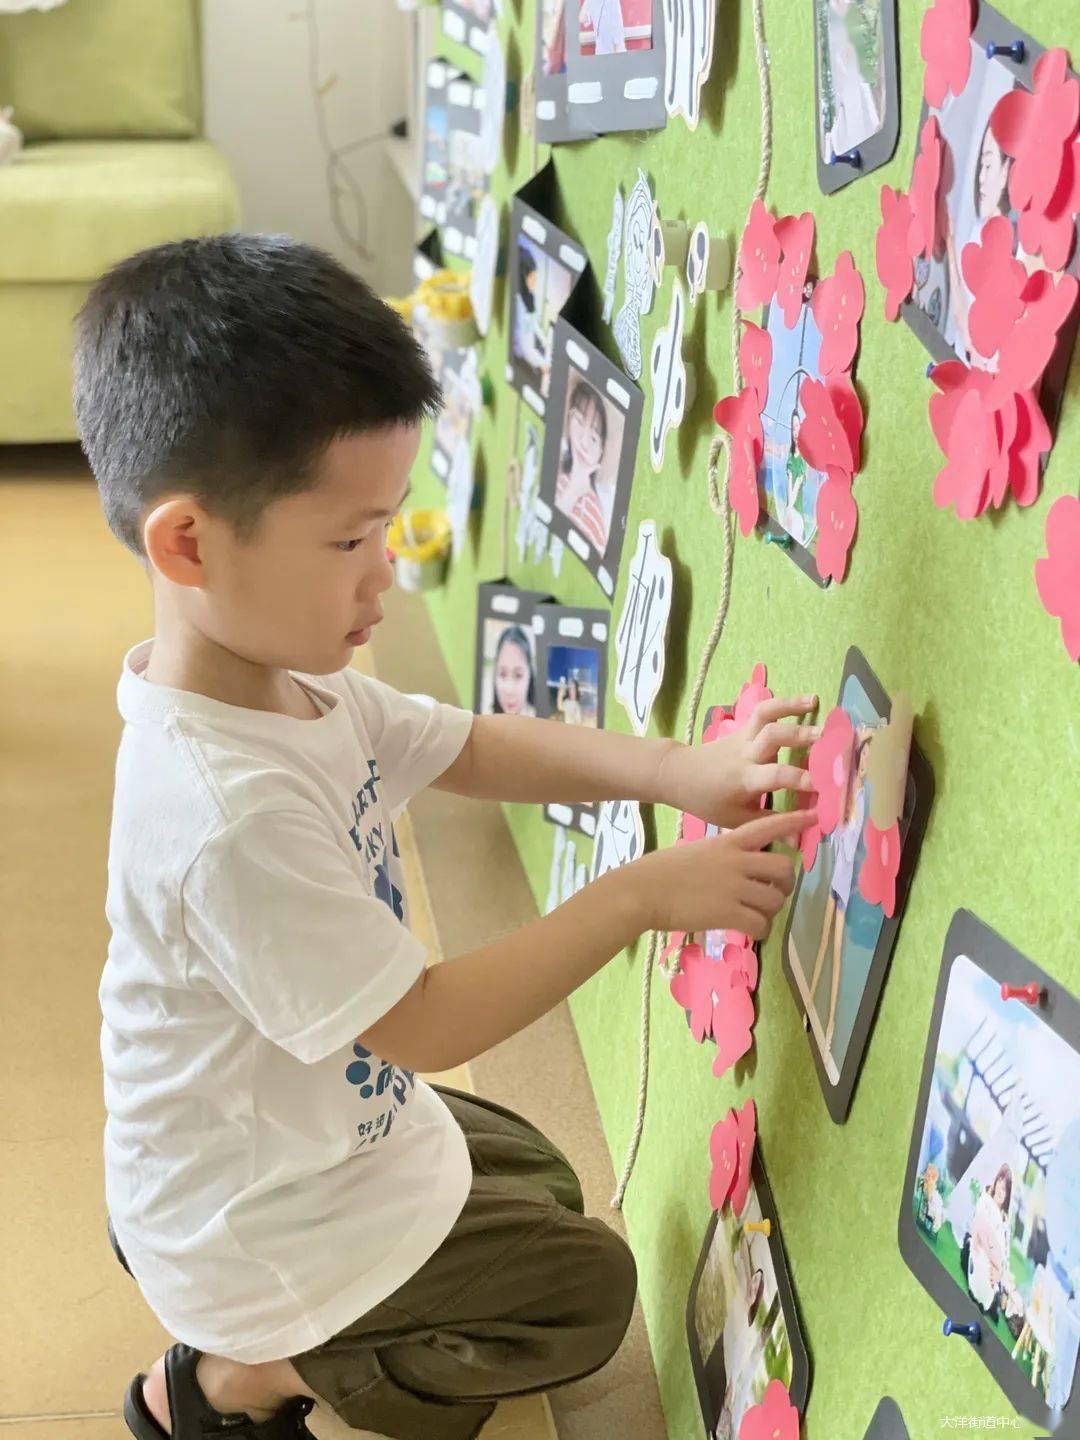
{"x": 281, "y": 924}
{"x": 415, "y": 738}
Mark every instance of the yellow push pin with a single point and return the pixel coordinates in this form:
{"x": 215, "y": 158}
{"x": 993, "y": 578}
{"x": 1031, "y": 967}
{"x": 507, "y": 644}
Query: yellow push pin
{"x": 759, "y": 1227}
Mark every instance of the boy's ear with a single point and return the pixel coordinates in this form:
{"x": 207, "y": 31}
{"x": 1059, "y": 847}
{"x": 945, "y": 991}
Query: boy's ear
{"x": 171, "y": 536}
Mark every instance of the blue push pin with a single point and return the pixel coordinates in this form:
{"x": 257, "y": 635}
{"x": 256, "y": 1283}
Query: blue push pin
{"x": 931, "y": 367}
{"x": 1015, "y": 52}
{"x": 849, "y": 157}
{"x": 972, "y": 1332}
{"x": 784, "y": 541}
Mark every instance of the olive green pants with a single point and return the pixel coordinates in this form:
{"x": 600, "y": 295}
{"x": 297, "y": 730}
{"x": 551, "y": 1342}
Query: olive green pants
{"x": 524, "y": 1294}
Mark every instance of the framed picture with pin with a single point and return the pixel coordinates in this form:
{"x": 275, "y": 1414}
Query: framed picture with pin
{"x": 572, "y": 668}
{"x": 553, "y": 120}
{"x": 507, "y": 678}
{"x": 615, "y": 57}
{"x": 856, "y": 75}
{"x": 545, "y": 266}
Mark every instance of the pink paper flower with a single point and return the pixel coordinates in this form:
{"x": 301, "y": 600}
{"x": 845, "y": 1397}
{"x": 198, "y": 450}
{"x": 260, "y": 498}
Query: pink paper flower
{"x": 732, "y": 1021}
{"x": 740, "y": 417}
{"x": 755, "y": 360}
{"x": 753, "y": 692}
{"x": 964, "y": 481}
{"x": 759, "y": 259}
{"x": 810, "y": 838}
{"x": 837, "y": 515}
{"x": 676, "y": 940}
{"x": 1057, "y": 575}
{"x": 824, "y": 441}
{"x": 1035, "y": 128}
{"x": 724, "y": 1149}
{"x": 877, "y": 878}
{"x": 895, "y": 268}
{"x": 693, "y": 988}
{"x": 923, "y": 236}
{"x": 945, "y": 46}
{"x": 746, "y": 1121}
{"x": 837, "y": 306}
{"x": 829, "y": 763}
{"x": 848, "y": 411}
{"x": 1029, "y": 442}
{"x": 996, "y": 280}
{"x": 796, "y": 236}
{"x": 740, "y": 965}
{"x": 1051, "y": 233}
{"x": 774, "y": 1419}
{"x": 1026, "y": 349}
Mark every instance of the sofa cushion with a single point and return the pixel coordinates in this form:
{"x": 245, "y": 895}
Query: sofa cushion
{"x": 95, "y": 69}
{"x": 72, "y": 208}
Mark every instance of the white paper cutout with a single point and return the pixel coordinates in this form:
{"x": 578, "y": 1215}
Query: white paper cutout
{"x": 556, "y": 550}
{"x": 669, "y": 380}
{"x": 459, "y": 495}
{"x": 620, "y": 836}
{"x": 531, "y": 530}
{"x": 689, "y": 29}
{"x": 566, "y": 876}
{"x": 638, "y": 286}
{"x": 697, "y": 260}
{"x": 614, "y": 250}
{"x": 640, "y": 639}
{"x": 657, "y": 249}
{"x": 482, "y": 279}
{"x": 493, "y": 101}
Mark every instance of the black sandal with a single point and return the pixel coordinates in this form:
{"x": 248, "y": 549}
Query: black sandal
{"x": 194, "y": 1418}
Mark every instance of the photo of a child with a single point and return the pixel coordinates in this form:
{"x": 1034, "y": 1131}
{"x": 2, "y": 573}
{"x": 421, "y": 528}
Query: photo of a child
{"x": 788, "y": 486}
{"x": 436, "y": 146}
{"x": 542, "y": 288}
{"x": 834, "y": 931}
{"x": 997, "y": 1175}
{"x": 589, "y": 452}
{"x": 611, "y": 27}
{"x": 553, "y": 36}
{"x": 508, "y": 682}
{"x": 851, "y": 73}
{"x": 573, "y": 673}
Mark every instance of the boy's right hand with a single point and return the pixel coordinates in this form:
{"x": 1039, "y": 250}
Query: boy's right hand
{"x": 728, "y": 882}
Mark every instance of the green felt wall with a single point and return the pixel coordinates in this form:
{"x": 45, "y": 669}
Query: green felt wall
{"x": 944, "y": 610}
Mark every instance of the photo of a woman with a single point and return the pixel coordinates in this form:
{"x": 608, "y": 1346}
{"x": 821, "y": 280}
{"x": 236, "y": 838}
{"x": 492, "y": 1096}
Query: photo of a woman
{"x": 988, "y": 1246}
{"x": 542, "y": 287}
{"x": 573, "y": 685}
{"x": 585, "y": 489}
{"x": 568, "y": 701}
{"x": 513, "y": 673}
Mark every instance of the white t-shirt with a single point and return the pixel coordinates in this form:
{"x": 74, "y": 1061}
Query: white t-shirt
{"x": 269, "y": 1180}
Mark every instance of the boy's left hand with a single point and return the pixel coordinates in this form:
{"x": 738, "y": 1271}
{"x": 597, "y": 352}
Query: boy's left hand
{"x": 723, "y": 782}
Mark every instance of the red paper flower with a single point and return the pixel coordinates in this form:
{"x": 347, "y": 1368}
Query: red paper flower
{"x": 925, "y": 179}
{"x": 1035, "y": 128}
{"x": 759, "y": 259}
{"x": 733, "y": 1018}
{"x": 774, "y": 1419}
{"x": 824, "y": 441}
{"x": 755, "y": 360}
{"x": 1026, "y": 350}
{"x": 945, "y": 46}
{"x": 837, "y": 305}
{"x": 693, "y": 989}
{"x": 1052, "y": 232}
{"x": 724, "y": 1149}
{"x": 1057, "y": 575}
{"x": 845, "y": 403}
{"x": 996, "y": 448}
{"x": 753, "y": 692}
{"x": 740, "y": 965}
{"x": 810, "y": 838}
{"x": 829, "y": 763}
{"x": 1030, "y": 441}
{"x": 973, "y": 447}
{"x": 996, "y": 280}
{"x": 877, "y": 878}
{"x": 746, "y": 1121}
{"x": 895, "y": 268}
{"x": 837, "y": 515}
{"x": 740, "y": 417}
{"x": 796, "y": 236}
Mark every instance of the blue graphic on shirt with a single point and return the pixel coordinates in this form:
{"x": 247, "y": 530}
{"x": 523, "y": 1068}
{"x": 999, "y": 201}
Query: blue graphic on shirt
{"x": 398, "y": 1082}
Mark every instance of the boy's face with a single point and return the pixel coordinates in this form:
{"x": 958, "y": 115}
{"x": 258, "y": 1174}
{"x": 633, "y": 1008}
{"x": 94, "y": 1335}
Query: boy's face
{"x": 305, "y": 590}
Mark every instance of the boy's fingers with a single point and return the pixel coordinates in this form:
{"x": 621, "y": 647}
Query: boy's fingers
{"x": 756, "y": 834}
{"x": 761, "y": 896}
{"x": 776, "y": 737}
{"x": 751, "y": 923}
{"x": 770, "y": 778}
{"x": 770, "y": 865}
{"x": 766, "y": 711}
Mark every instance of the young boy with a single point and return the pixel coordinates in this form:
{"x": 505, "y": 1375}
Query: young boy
{"x": 310, "y": 1220}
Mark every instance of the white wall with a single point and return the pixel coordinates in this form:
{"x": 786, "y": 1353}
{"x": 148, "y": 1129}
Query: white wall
{"x": 261, "y": 111}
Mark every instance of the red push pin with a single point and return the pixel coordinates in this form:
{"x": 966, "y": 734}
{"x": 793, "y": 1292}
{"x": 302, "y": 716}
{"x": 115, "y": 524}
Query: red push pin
{"x": 1031, "y": 994}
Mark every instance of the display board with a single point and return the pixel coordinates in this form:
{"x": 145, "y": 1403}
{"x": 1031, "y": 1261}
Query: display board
{"x": 946, "y": 610}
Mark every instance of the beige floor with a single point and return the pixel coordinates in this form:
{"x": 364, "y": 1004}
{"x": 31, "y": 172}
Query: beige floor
{"x": 73, "y": 1327}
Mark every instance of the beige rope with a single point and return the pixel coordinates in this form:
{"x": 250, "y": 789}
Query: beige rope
{"x": 719, "y": 501}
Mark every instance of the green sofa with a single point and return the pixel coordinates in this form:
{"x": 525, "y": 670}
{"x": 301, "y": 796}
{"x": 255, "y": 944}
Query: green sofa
{"x": 108, "y": 94}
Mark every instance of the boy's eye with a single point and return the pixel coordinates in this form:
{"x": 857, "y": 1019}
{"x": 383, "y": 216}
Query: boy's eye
{"x": 349, "y": 545}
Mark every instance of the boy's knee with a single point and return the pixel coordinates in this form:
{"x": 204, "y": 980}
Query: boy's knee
{"x": 611, "y": 1281}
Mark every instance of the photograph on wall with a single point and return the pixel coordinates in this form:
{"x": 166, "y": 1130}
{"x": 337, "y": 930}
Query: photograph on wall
{"x": 838, "y": 942}
{"x": 856, "y": 68}
{"x": 571, "y": 659}
{"x": 467, "y": 171}
{"x": 615, "y": 60}
{"x": 990, "y": 1219}
{"x": 590, "y": 445}
{"x": 742, "y": 1324}
{"x": 459, "y": 376}
{"x": 435, "y": 161}
{"x": 553, "y": 121}
{"x": 507, "y": 680}
{"x": 468, "y": 22}
{"x": 974, "y": 190}
{"x": 544, "y": 267}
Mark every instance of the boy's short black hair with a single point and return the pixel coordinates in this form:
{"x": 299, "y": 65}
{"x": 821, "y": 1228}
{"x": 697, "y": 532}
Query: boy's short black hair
{"x": 224, "y": 366}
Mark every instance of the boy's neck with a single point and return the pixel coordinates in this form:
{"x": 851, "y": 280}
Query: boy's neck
{"x": 183, "y": 658}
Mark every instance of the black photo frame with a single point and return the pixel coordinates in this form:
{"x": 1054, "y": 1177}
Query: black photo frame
{"x": 865, "y": 151}
{"x": 502, "y": 607}
{"x": 966, "y": 117}
{"x": 838, "y": 1081}
{"x": 613, "y": 92}
{"x": 554, "y": 124}
{"x": 887, "y": 1423}
{"x": 561, "y": 630}
{"x": 579, "y": 368}
{"x": 544, "y": 267}
{"x": 707, "y": 1355}
{"x": 1000, "y": 1125}
{"x": 453, "y": 175}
